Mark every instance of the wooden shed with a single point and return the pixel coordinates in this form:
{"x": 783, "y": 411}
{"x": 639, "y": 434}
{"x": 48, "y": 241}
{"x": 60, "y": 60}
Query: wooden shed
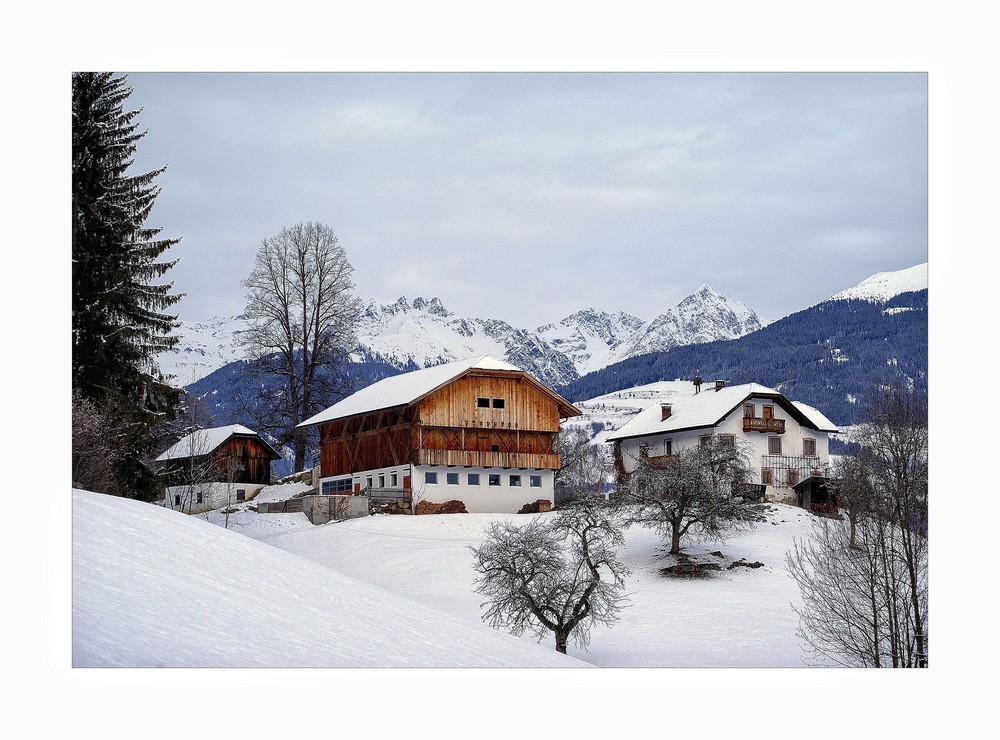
{"x": 234, "y": 454}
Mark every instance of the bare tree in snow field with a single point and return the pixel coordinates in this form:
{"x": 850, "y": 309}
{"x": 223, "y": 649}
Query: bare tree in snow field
{"x": 561, "y": 576}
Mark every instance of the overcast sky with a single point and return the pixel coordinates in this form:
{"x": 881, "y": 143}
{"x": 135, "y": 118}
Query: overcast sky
{"x": 529, "y": 196}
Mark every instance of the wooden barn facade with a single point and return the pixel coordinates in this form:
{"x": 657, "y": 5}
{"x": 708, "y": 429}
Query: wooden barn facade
{"x": 480, "y": 431}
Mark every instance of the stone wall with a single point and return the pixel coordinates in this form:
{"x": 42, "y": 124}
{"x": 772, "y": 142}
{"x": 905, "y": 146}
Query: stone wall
{"x": 322, "y": 509}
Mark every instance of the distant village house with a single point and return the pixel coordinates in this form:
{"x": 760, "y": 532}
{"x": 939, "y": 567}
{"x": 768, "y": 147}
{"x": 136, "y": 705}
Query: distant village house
{"x": 788, "y": 441}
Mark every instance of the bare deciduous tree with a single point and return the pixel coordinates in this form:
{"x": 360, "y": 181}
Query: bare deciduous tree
{"x": 584, "y": 466}
{"x": 699, "y": 491}
{"x": 94, "y": 448}
{"x": 562, "y": 576}
{"x": 302, "y": 312}
{"x": 864, "y": 581}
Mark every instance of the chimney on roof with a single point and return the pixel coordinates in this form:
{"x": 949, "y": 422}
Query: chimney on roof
{"x": 719, "y": 385}
{"x": 664, "y": 411}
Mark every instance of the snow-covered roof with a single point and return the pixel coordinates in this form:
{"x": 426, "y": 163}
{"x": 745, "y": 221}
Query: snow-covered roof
{"x": 816, "y": 417}
{"x": 706, "y": 409}
{"x": 403, "y": 389}
{"x": 204, "y": 441}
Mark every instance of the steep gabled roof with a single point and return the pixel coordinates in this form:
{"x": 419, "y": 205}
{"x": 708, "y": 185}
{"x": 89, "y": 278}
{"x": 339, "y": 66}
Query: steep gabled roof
{"x": 408, "y": 388}
{"x": 204, "y": 441}
{"x": 708, "y": 408}
{"x": 816, "y": 417}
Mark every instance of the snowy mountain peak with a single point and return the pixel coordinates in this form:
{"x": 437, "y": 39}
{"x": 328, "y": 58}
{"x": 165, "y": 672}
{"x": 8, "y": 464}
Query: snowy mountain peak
{"x": 883, "y": 286}
{"x": 424, "y": 332}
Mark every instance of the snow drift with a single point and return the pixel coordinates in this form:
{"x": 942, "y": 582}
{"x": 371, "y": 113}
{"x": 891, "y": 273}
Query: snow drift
{"x": 153, "y": 587}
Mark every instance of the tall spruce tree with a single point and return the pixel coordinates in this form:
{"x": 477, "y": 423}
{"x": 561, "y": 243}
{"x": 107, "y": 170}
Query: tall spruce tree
{"x": 119, "y": 324}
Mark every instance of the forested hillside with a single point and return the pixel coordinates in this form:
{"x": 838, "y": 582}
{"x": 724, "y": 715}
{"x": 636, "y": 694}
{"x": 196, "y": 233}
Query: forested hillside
{"x": 828, "y": 356}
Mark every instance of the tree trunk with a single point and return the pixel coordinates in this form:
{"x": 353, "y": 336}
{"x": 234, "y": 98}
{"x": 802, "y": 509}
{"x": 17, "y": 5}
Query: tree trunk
{"x": 675, "y": 539}
{"x": 562, "y": 637}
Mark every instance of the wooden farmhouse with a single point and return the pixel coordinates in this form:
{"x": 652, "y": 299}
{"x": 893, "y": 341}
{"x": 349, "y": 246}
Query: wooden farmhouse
{"x": 788, "y": 441}
{"x": 211, "y": 468}
{"x": 480, "y": 431}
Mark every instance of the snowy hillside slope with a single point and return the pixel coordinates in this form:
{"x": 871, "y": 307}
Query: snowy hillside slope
{"x": 884, "y": 286}
{"x": 741, "y": 617}
{"x": 214, "y": 598}
{"x": 609, "y": 412}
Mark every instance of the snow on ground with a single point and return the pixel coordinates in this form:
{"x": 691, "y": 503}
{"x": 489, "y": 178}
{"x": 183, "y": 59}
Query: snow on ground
{"x": 242, "y": 596}
{"x": 737, "y": 618}
{"x": 153, "y": 587}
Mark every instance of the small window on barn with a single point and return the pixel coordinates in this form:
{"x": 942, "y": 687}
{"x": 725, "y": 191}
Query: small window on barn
{"x": 515, "y": 480}
{"x": 381, "y": 480}
{"x": 536, "y": 481}
{"x": 241, "y": 494}
{"x": 452, "y": 479}
{"x": 394, "y": 480}
{"x": 431, "y": 478}
{"x": 177, "y": 500}
{"x": 727, "y": 439}
{"x": 766, "y": 477}
{"x": 774, "y": 445}
{"x": 668, "y": 447}
{"x": 498, "y": 403}
{"x": 705, "y": 439}
{"x": 494, "y": 480}
{"x": 809, "y": 447}
{"x": 483, "y": 403}
{"x": 200, "y": 498}
{"x": 473, "y": 479}
{"x": 749, "y": 410}
{"x": 494, "y": 448}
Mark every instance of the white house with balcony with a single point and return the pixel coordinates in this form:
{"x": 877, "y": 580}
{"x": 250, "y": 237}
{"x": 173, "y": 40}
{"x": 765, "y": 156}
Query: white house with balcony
{"x": 788, "y": 441}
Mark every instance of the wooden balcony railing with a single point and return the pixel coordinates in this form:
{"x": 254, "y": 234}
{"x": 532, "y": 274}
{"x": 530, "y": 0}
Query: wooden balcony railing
{"x": 755, "y": 424}
{"x": 479, "y": 459}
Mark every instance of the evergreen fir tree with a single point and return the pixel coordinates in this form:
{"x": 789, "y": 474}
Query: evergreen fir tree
{"x": 119, "y": 324}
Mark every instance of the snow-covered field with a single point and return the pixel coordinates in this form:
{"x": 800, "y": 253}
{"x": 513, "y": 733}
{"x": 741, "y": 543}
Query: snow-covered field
{"x": 274, "y": 590}
{"x": 152, "y": 587}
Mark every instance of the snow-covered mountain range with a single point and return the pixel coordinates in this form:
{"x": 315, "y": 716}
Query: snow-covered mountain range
{"x": 424, "y": 332}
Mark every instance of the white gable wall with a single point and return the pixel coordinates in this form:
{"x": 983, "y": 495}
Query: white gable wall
{"x": 201, "y": 497}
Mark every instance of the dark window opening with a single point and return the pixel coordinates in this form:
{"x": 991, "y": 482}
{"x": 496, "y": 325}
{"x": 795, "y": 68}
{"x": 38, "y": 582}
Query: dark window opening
{"x": 498, "y": 403}
{"x": 483, "y": 403}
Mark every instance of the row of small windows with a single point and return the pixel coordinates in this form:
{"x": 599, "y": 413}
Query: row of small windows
{"x": 344, "y": 485}
{"x": 241, "y": 495}
{"x": 475, "y": 479}
{"x": 773, "y": 444}
{"x": 750, "y": 411}
{"x": 484, "y": 403}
